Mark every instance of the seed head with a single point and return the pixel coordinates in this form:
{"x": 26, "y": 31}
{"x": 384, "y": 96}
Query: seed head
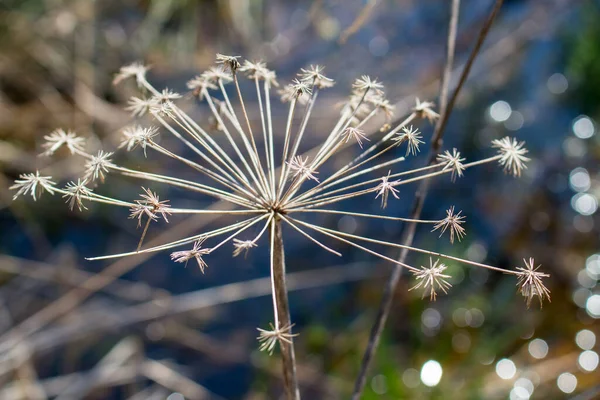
{"x": 412, "y": 137}
{"x": 300, "y": 167}
{"x": 136, "y": 135}
{"x": 296, "y": 90}
{"x": 314, "y": 75}
{"x": 453, "y": 222}
{"x": 150, "y": 206}
{"x": 425, "y": 110}
{"x": 380, "y": 102}
{"x": 197, "y": 252}
{"x": 242, "y": 246}
{"x": 97, "y": 166}
{"x": 453, "y": 162}
{"x": 75, "y": 194}
{"x": 432, "y": 279}
{"x": 230, "y": 62}
{"x": 59, "y": 138}
{"x": 269, "y": 338}
{"x": 385, "y": 188}
{"x": 137, "y": 70}
{"x": 530, "y": 282}
{"x": 365, "y": 83}
{"x": 512, "y": 155}
{"x": 139, "y": 107}
{"x": 354, "y": 133}
{"x": 35, "y": 184}
{"x": 216, "y": 74}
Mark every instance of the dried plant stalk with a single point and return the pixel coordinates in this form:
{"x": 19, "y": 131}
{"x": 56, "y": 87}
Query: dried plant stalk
{"x": 288, "y": 356}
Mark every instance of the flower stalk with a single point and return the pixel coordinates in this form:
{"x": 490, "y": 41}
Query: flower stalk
{"x": 281, "y": 307}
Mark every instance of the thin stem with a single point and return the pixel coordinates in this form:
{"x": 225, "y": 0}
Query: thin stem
{"x": 323, "y": 199}
{"x": 324, "y": 211}
{"x": 282, "y": 311}
{"x": 271, "y": 154}
{"x": 416, "y": 249}
{"x": 290, "y": 223}
{"x": 236, "y": 124}
{"x": 228, "y": 135}
{"x": 139, "y": 246}
{"x": 386, "y": 301}
{"x": 350, "y": 166}
{"x": 260, "y": 170}
{"x": 286, "y": 144}
{"x": 183, "y": 241}
{"x": 329, "y": 233}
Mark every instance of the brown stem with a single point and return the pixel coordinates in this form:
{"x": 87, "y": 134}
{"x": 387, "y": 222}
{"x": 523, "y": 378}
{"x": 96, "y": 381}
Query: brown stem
{"x": 409, "y": 232}
{"x": 143, "y": 234}
{"x": 288, "y": 357}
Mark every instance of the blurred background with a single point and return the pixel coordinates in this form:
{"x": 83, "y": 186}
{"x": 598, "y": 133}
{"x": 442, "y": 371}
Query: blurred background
{"x": 162, "y": 331}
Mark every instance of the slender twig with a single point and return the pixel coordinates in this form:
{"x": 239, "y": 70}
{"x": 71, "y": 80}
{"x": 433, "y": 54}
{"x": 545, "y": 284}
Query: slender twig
{"x": 408, "y": 236}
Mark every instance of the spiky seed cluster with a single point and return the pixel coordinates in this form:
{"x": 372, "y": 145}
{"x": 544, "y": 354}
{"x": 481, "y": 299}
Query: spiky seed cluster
{"x": 60, "y": 138}
{"x": 136, "y": 135}
{"x": 385, "y": 188}
{"x": 76, "y": 193}
{"x": 150, "y": 206}
{"x": 512, "y": 155}
{"x": 531, "y": 283}
{"x": 431, "y": 279}
{"x": 265, "y": 189}
{"x": 98, "y": 166}
{"x": 412, "y": 137}
{"x": 269, "y": 338}
{"x": 135, "y": 70}
{"x": 453, "y": 162}
{"x": 355, "y": 134}
{"x": 35, "y": 184}
{"x": 300, "y": 167}
{"x": 196, "y": 253}
{"x": 453, "y": 222}
{"x": 242, "y": 246}
{"x": 425, "y": 110}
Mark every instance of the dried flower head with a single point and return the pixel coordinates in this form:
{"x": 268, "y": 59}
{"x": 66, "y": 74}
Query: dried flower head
{"x": 76, "y": 192}
{"x": 512, "y": 155}
{"x": 453, "y": 222}
{"x": 150, "y": 206}
{"x": 97, "y": 166}
{"x": 134, "y": 136}
{"x": 197, "y": 252}
{"x": 260, "y": 187}
{"x": 385, "y": 188}
{"x": 167, "y": 95}
{"x": 453, "y": 162}
{"x": 530, "y": 282}
{"x": 217, "y": 75}
{"x": 300, "y": 167}
{"x": 365, "y": 84}
{"x": 242, "y": 246}
{"x": 432, "y": 279}
{"x": 138, "y": 107}
{"x": 231, "y": 62}
{"x": 314, "y": 76}
{"x": 412, "y": 137}
{"x": 136, "y": 70}
{"x": 425, "y": 110}
{"x": 59, "y": 138}
{"x": 35, "y": 184}
{"x": 269, "y": 338}
{"x": 356, "y": 134}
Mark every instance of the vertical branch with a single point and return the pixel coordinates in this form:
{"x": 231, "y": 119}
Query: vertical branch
{"x": 288, "y": 357}
{"x": 409, "y": 233}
